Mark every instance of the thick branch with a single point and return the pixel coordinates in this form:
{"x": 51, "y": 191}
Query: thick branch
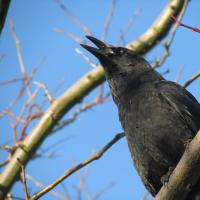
{"x": 159, "y": 28}
{"x": 185, "y": 175}
{"x": 75, "y": 94}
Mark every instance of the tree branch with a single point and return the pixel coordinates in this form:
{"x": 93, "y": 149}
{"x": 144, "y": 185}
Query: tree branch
{"x": 159, "y": 28}
{"x": 179, "y": 23}
{"x": 76, "y": 93}
{"x": 187, "y": 83}
{"x": 185, "y": 175}
{"x": 69, "y": 172}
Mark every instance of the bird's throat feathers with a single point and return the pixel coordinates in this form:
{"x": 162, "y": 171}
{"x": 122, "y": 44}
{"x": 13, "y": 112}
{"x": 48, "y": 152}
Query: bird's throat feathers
{"x": 121, "y": 82}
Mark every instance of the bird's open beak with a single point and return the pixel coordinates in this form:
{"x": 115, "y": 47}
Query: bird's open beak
{"x": 97, "y": 42}
{"x": 98, "y": 52}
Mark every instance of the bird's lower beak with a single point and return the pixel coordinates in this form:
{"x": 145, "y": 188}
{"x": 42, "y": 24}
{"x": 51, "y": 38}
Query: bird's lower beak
{"x": 100, "y": 52}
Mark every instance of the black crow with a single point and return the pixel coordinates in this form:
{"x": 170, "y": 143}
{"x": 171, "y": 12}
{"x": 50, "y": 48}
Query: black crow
{"x": 158, "y": 116}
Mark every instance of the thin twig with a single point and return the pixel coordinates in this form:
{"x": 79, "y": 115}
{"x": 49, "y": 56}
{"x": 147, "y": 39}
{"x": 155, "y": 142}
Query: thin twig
{"x": 14, "y": 80}
{"x": 65, "y": 190}
{"x": 20, "y": 58}
{"x": 22, "y": 113}
{"x": 179, "y": 74}
{"x": 69, "y": 172}
{"x": 52, "y": 192}
{"x": 103, "y": 190}
{"x": 127, "y": 27}
{"x": 83, "y": 186}
{"x": 55, "y": 90}
{"x": 52, "y": 147}
{"x": 36, "y": 67}
{"x": 73, "y": 17}
{"x": 108, "y": 20}
{"x": 104, "y": 35}
{"x": 187, "y": 83}
{"x": 86, "y": 58}
{"x": 44, "y": 87}
{"x": 23, "y": 87}
{"x": 71, "y": 35}
{"x": 159, "y": 61}
{"x": 83, "y": 108}
{"x": 23, "y": 179}
{"x": 179, "y": 23}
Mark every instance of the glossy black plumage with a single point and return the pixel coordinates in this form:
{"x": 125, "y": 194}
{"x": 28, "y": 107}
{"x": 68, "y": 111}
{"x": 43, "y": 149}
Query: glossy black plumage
{"x": 159, "y": 117}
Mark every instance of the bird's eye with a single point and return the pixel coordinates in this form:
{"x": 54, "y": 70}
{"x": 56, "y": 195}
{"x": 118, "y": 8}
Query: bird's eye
{"x": 110, "y": 52}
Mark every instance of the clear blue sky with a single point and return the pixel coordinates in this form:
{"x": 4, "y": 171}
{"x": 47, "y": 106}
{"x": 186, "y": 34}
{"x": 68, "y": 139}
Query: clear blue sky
{"x": 34, "y": 23}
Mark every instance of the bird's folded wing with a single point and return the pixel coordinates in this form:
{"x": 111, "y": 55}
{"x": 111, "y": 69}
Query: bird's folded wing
{"x": 182, "y": 101}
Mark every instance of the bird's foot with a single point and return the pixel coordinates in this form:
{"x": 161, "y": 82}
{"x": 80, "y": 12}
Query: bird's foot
{"x": 187, "y": 142}
{"x": 165, "y": 178}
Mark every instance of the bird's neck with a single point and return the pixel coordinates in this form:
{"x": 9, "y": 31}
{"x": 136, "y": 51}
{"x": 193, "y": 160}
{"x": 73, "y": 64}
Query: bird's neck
{"x": 124, "y": 84}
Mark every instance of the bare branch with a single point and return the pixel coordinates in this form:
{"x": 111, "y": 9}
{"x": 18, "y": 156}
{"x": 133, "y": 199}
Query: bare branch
{"x": 179, "y": 23}
{"x": 29, "y": 116}
{"x": 52, "y": 192}
{"x": 159, "y": 28}
{"x": 23, "y": 179}
{"x": 167, "y": 44}
{"x": 108, "y": 20}
{"x": 71, "y": 35}
{"x": 187, "y": 83}
{"x": 185, "y": 175}
{"x": 127, "y": 27}
{"x": 29, "y": 79}
{"x": 103, "y": 190}
{"x": 65, "y": 190}
{"x": 87, "y": 59}
{"x": 20, "y": 58}
{"x": 69, "y": 172}
{"x": 179, "y": 73}
{"x": 42, "y": 85}
{"x": 83, "y": 186}
{"x": 23, "y": 87}
{"x": 14, "y": 80}
{"x": 55, "y": 89}
{"x": 73, "y": 17}
{"x": 98, "y": 100}
{"x": 35, "y": 68}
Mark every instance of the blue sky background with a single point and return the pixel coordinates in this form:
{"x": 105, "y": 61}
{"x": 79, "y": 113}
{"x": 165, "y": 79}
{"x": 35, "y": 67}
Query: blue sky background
{"x": 34, "y": 23}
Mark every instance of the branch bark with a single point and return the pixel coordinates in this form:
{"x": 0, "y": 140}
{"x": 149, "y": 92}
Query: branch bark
{"x": 185, "y": 175}
{"x": 77, "y": 92}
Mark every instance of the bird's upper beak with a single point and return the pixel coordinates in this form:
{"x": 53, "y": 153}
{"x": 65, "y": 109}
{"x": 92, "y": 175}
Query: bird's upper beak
{"x": 99, "y": 52}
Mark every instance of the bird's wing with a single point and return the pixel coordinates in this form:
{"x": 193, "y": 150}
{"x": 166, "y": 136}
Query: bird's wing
{"x": 182, "y": 101}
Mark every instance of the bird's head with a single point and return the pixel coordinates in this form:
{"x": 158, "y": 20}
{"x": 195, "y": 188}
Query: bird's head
{"x": 117, "y": 60}
{"x": 124, "y": 68}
